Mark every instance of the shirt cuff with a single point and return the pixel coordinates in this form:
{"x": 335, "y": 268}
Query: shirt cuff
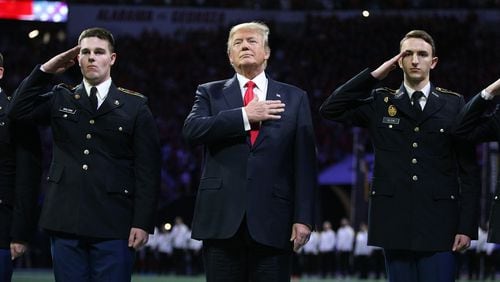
{"x": 486, "y": 96}
{"x": 246, "y": 122}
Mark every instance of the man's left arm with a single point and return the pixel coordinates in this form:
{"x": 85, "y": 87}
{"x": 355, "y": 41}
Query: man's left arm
{"x": 27, "y": 185}
{"x": 469, "y": 179}
{"x": 305, "y": 174}
{"x": 147, "y": 174}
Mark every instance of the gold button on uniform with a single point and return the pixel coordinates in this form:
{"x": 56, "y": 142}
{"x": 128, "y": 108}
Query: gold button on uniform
{"x": 120, "y": 128}
{"x": 91, "y": 121}
{"x": 414, "y": 178}
{"x": 452, "y": 197}
{"x": 441, "y": 130}
{"x": 65, "y": 115}
{"x": 390, "y": 125}
{"x": 2, "y": 123}
{"x": 414, "y": 145}
{"x": 414, "y": 161}
{"x": 416, "y": 129}
{"x": 88, "y": 136}
{"x": 85, "y": 167}
{"x": 86, "y": 152}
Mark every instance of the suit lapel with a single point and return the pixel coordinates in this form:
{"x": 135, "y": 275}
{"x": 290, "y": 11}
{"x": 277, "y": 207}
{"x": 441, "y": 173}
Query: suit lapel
{"x": 434, "y": 103}
{"x": 82, "y": 98}
{"x": 111, "y": 102}
{"x": 265, "y": 128}
{"x": 402, "y": 102}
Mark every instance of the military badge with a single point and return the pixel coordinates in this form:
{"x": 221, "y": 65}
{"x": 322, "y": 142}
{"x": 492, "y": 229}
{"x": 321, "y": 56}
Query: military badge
{"x": 392, "y": 111}
{"x": 386, "y": 99}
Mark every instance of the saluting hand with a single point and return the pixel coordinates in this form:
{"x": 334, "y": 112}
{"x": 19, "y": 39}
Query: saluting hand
{"x": 384, "y": 69}
{"x": 494, "y": 88}
{"x": 300, "y": 235}
{"x": 61, "y": 62}
{"x": 137, "y": 238}
{"x": 258, "y": 111}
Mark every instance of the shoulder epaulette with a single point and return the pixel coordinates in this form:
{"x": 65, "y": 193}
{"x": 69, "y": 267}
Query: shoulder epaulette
{"x": 446, "y": 91}
{"x": 130, "y": 92}
{"x": 65, "y": 86}
{"x": 387, "y": 89}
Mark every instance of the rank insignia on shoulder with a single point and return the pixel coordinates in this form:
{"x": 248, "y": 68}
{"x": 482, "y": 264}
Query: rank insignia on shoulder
{"x": 130, "y": 92}
{"x": 386, "y": 89}
{"x": 64, "y": 85}
{"x": 392, "y": 111}
{"x": 446, "y": 91}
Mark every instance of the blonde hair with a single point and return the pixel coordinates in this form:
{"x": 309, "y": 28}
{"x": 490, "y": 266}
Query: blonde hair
{"x": 259, "y": 27}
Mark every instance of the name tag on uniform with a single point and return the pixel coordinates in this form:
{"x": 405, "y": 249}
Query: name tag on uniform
{"x": 390, "y": 120}
{"x": 67, "y": 110}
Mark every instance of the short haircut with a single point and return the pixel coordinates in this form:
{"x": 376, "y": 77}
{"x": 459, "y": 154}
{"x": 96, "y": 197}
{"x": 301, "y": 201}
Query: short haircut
{"x": 100, "y": 33}
{"x": 259, "y": 27}
{"x": 422, "y": 35}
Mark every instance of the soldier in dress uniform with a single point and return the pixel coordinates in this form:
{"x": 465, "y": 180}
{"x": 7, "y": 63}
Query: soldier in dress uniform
{"x": 105, "y": 171}
{"x": 424, "y": 194}
{"x": 20, "y": 171}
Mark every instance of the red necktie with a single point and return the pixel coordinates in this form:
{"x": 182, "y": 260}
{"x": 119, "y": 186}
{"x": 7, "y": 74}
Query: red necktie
{"x": 254, "y": 131}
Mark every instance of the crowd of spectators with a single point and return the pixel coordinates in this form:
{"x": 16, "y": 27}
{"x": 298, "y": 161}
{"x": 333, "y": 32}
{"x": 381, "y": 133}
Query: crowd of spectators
{"x": 316, "y": 55}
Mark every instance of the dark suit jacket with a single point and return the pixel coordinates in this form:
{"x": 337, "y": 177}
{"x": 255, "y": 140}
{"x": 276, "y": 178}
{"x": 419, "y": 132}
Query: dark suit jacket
{"x": 425, "y": 182}
{"x": 474, "y": 125}
{"x": 20, "y": 171}
{"x": 272, "y": 183}
{"x": 105, "y": 171}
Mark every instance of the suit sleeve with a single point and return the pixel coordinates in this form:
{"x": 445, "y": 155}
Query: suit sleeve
{"x": 202, "y": 126}
{"x": 470, "y": 186}
{"x": 27, "y": 181}
{"x": 305, "y": 167}
{"x": 147, "y": 166}
{"x": 351, "y": 102}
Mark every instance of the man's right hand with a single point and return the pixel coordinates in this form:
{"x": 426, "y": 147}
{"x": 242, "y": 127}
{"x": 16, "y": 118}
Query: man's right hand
{"x": 60, "y": 63}
{"x": 384, "y": 69}
{"x": 494, "y": 88}
{"x": 258, "y": 111}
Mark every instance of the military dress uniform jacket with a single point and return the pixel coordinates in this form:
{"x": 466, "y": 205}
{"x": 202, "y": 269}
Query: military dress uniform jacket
{"x": 20, "y": 172}
{"x": 425, "y": 187}
{"x": 271, "y": 184}
{"x": 474, "y": 125}
{"x": 105, "y": 170}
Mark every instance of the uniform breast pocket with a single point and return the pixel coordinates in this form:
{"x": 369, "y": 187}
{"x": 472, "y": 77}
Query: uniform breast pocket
{"x": 118, "y": 134}
{"x": 64, "y": 120}
{"x": 389, "y": 137}
{"x": 437, "y": 139}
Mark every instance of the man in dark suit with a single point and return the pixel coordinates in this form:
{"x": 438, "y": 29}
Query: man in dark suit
{"x": 104, "y": 176}
{"x": 256, "y": 198}
{"x": 424, "y": 194}
{"x": 20, "y": 171}
{"x": 477, "y": 126}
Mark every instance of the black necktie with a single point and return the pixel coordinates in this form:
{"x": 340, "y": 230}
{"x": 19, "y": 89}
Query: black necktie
{"x": 415, "y": 99}
{"x": 93, "y": 97}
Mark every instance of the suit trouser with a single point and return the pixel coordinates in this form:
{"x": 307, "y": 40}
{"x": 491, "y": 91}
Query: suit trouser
{"x": 81, "y": 259}
{"x": 241, "y": 259}
{"x": 410, "y": 266}
{"x": 5, "y": 265}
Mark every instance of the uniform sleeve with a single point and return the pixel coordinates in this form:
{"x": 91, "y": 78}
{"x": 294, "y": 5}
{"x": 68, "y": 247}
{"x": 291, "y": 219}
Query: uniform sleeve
{"x": 470, "y": 186}
{"x": 147, "y": 170}
{"x": 27, "y": 181}
{"x": 351, "y": 102}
